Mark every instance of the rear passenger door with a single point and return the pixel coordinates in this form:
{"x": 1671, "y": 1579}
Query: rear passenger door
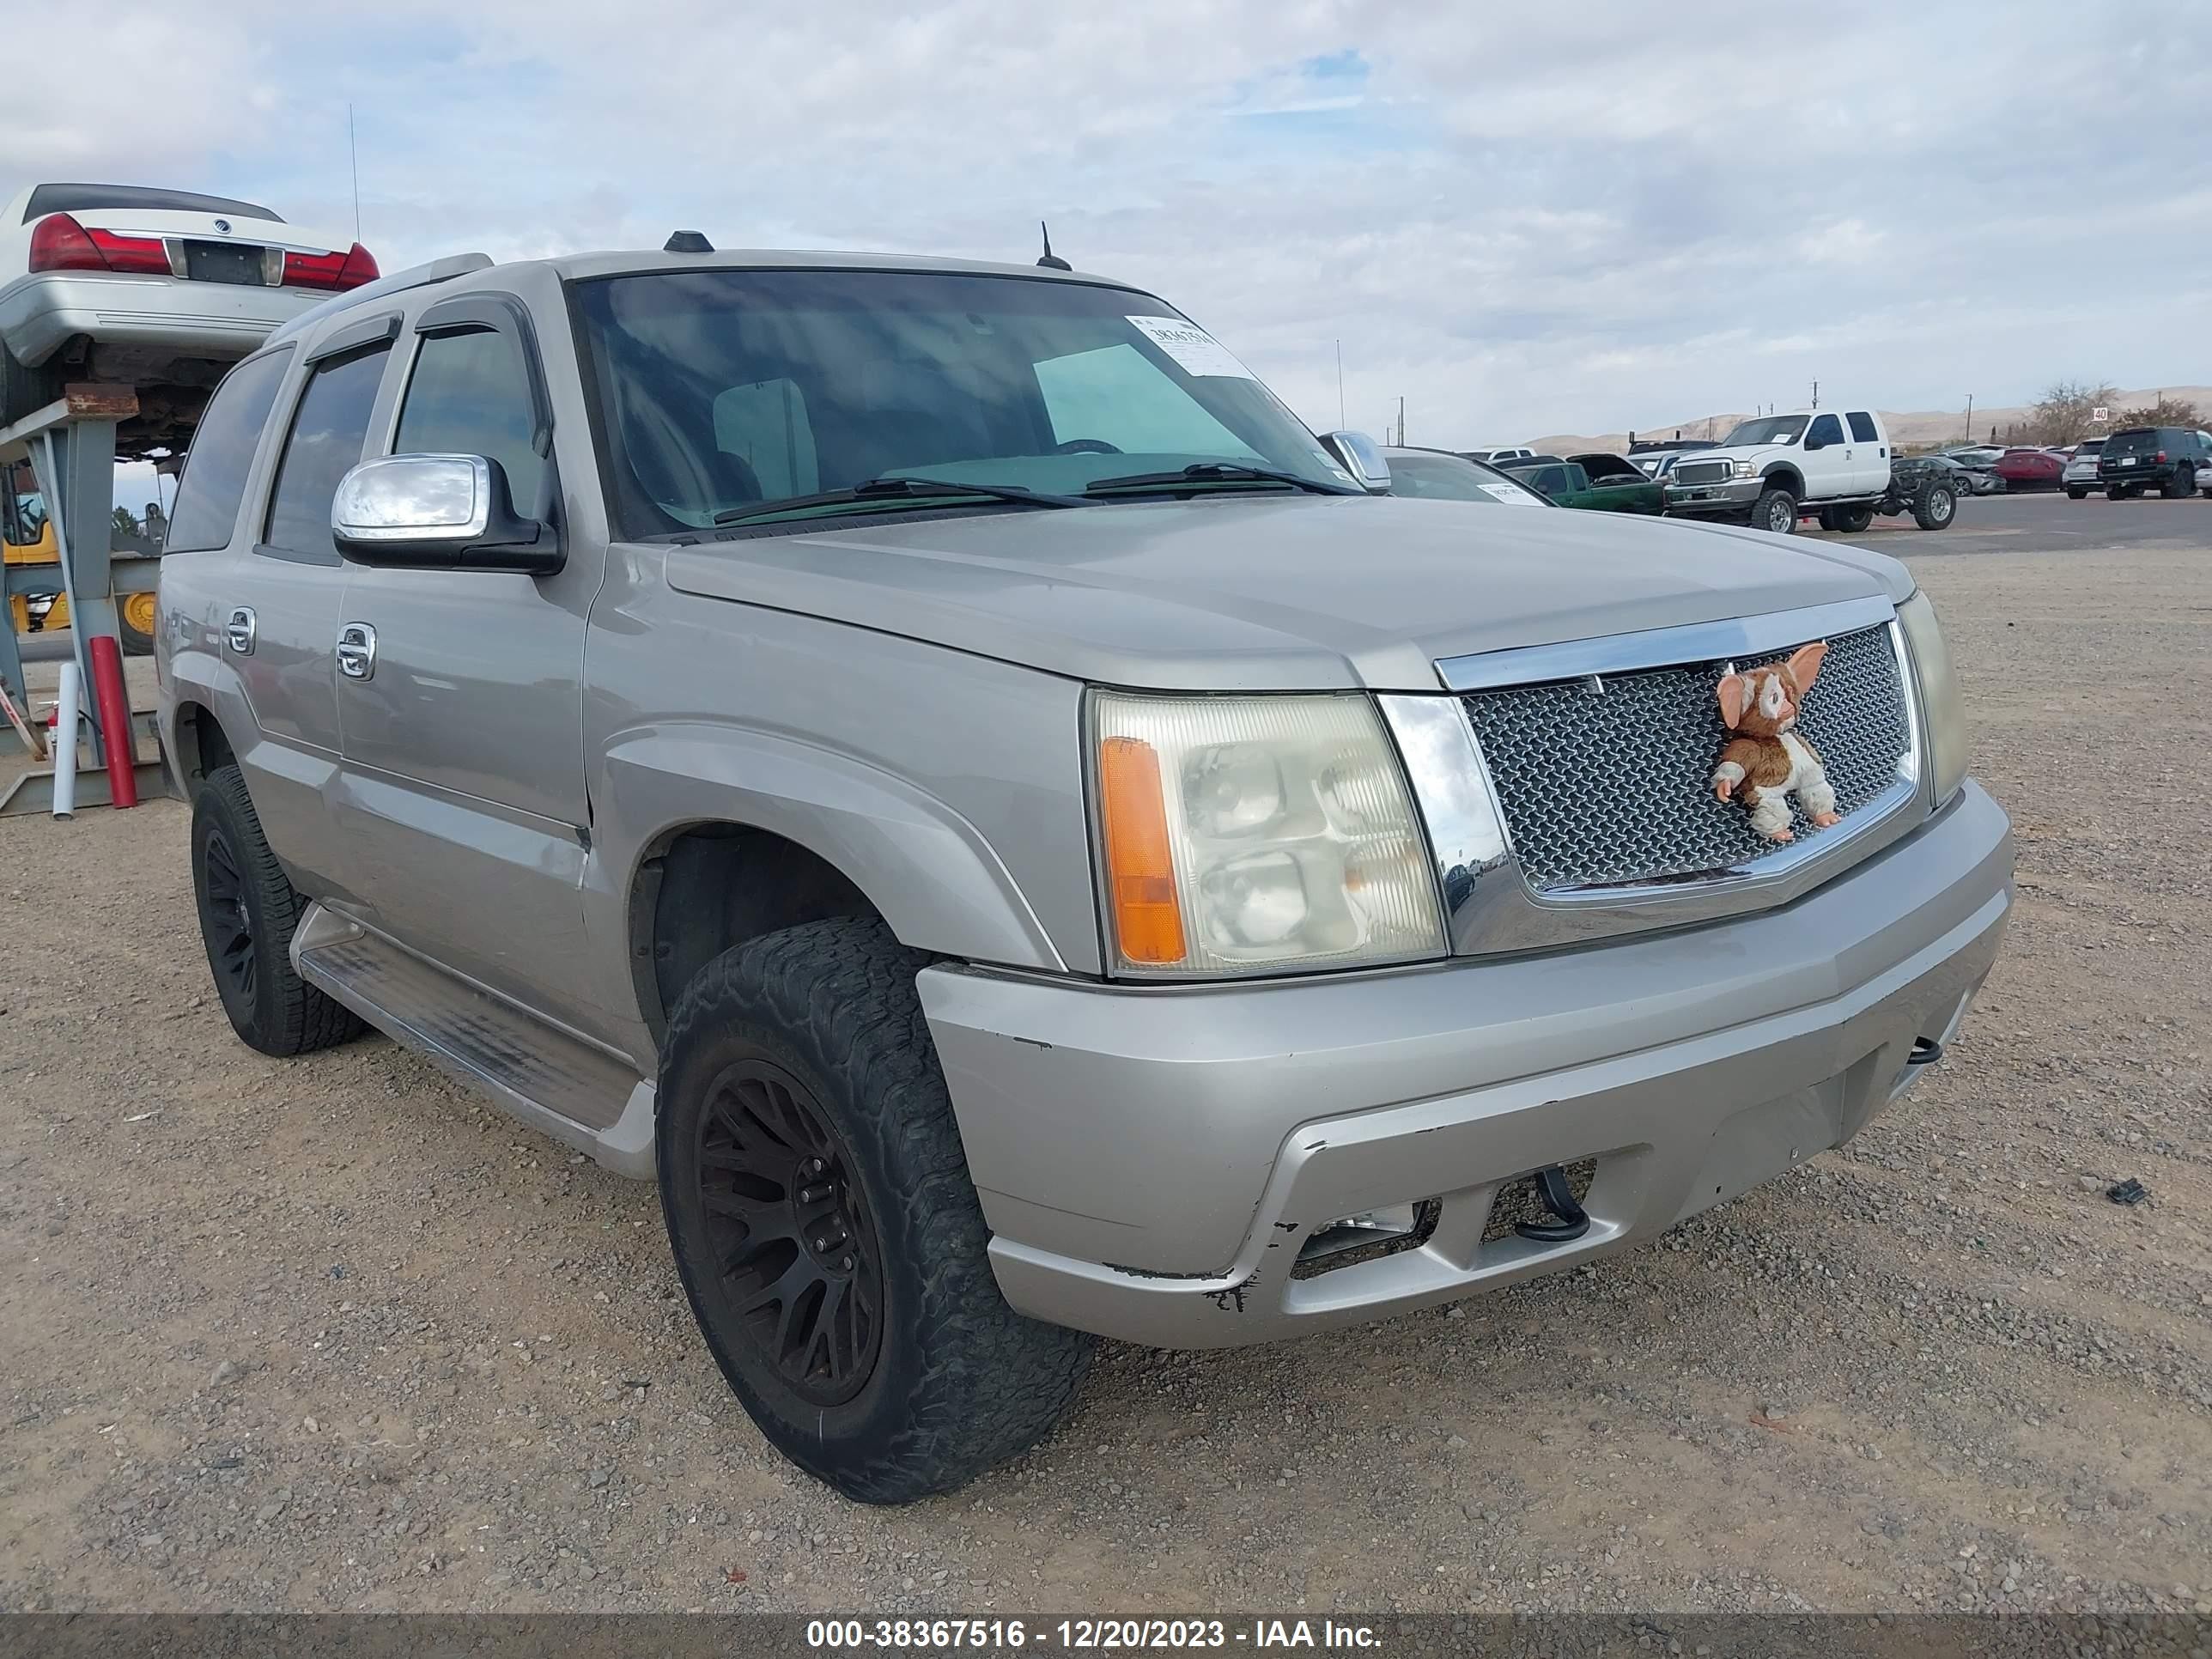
{"x": 279, "y": 623}
{"x": 1869, "y": 451}
{"x": 462, "y": 799}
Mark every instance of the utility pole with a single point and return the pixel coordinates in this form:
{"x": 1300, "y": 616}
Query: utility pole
{"x": 1968, "y": 435}
{"x": 1340, "y": 421}
{"x": 1401, "y": 422}
{"x": 1816, "y": 394}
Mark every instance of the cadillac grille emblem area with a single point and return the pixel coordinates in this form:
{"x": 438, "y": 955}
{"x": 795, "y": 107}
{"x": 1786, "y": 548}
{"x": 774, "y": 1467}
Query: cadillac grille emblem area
{"x": 1766, "y": 760}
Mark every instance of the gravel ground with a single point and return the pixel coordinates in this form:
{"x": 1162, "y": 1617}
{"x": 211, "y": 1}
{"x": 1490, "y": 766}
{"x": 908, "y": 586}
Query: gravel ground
{"x": 332, "y": 1334}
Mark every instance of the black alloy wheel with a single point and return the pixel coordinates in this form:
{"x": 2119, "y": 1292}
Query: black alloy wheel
{"x": 799, "y": 1260}
{"x": 226, "y": 923}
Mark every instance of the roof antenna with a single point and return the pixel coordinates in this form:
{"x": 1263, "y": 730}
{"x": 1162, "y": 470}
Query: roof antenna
{"x": 1051, "y": 261}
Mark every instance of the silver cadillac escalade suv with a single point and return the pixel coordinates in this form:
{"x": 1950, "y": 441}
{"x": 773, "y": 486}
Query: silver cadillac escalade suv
{"x": 934, "y": 765}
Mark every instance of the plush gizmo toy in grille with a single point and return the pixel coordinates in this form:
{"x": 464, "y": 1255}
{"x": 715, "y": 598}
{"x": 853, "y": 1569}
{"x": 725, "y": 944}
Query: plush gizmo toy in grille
{"x": 1766, "y": 760}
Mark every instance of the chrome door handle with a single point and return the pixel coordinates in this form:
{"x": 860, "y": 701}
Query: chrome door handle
{"x": 357, "y": 650}
{"x": 238, "y": 632}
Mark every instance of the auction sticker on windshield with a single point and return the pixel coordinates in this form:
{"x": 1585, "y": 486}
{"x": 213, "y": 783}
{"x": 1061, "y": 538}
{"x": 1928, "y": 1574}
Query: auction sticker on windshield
{"x": 1196, "y": 351}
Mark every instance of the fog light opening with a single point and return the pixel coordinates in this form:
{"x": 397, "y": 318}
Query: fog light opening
{"x": 1366, "y": 1236}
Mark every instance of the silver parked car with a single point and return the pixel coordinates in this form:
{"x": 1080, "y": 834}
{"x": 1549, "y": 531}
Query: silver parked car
{"x": 2080, "y": 477}
{"x": 932, "y": 765}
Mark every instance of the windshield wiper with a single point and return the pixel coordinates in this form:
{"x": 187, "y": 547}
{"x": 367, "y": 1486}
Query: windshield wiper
{"x": 1202, "y": 473}
{"x": 891, "y": 491}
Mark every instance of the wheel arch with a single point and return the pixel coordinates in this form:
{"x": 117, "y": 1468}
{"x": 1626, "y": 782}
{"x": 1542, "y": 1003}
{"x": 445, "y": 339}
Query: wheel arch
{"x": 199, "y": 742}
{"x": 736, "y": 833}
{"x": 1782, "y": 475}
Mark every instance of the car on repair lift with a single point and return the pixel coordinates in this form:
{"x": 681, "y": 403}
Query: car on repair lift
{"x": 933, "y": 765}
{"x": 160, "y": 290}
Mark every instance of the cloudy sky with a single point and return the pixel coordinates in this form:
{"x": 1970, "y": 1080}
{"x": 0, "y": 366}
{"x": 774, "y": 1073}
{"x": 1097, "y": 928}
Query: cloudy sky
{"x": 1571, "y": 221}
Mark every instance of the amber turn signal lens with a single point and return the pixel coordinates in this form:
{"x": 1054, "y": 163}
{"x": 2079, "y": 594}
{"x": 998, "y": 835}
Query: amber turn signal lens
{"x": 1140, "y": 870}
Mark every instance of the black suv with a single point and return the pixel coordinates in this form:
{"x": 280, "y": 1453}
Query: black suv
{"x": 2136, "y": 457}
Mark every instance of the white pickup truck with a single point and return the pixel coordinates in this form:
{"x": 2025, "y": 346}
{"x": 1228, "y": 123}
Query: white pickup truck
{"x": 1770, "y": 472}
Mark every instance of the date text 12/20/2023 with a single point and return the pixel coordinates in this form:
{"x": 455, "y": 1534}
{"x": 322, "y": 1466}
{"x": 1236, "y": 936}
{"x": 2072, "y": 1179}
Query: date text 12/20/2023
{"x": 987, "y": 1635}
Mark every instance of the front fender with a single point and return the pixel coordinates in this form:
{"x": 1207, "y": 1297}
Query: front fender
{"x": 930, "y": 872}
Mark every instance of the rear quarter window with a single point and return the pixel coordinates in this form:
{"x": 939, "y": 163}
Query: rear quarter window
{"x": 213, "y": 478}
{"x": 1863, "y": 427}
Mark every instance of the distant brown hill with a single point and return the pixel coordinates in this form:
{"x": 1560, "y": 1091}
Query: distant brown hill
{"x": 1910, "y": 427}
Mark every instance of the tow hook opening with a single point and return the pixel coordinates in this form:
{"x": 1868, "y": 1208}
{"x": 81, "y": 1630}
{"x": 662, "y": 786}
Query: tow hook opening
{"x": 1926, "y": 1051}
{"x": 1569, "y": 1222}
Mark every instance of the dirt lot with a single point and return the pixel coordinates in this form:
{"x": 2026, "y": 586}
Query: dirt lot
{"x": 329, "y": 1334}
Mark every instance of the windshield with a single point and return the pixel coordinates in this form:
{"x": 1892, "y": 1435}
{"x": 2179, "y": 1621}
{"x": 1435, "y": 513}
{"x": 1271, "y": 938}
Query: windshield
{"x": 720, "y": 392}
{"x": 1448, "y": 478}
{"x": 1773, "y": 429}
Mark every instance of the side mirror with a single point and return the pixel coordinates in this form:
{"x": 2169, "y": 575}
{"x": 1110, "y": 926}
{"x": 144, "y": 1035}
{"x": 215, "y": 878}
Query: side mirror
{"x": 1362, "y": 457}
{"x": 438, "y": 512}
{"x": 1811, "y": 442}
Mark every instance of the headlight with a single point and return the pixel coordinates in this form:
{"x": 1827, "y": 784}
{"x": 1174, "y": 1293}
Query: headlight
{"x": 1941, "y": 710}
{"x": 1257, "y": 835}
{"x": 1743, "y": 468}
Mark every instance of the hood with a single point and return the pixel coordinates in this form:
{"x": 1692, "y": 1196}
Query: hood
{"x": 1274, "y": 593}
{"x": 1757, "y": 455}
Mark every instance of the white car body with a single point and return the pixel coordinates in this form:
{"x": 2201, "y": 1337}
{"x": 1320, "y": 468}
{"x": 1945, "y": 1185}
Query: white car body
{"x": 1818, "y": 459}
{"x": 1515, "y": 453}
{"x": 143, "y": 327}
{"x": 2081, "y": 472}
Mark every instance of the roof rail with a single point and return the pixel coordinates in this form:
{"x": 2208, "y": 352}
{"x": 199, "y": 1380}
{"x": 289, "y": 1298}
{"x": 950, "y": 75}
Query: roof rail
{"x": 438, "y": 270}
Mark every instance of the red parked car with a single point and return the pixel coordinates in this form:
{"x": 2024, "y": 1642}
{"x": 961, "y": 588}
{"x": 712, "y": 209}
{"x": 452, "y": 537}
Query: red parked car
{"x": 2031, "y": 469}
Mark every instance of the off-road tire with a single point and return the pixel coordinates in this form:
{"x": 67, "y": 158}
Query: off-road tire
{"x": 2073, "y": 495}
{"x": 1936, "y": 507}
{"x": 1848, "y": 520}
{"x": 959, "y": 1381}
{"x": 1776, "y": 510}
{"x": 273, "y": 1009}
{"x": 2181, "y": 485}
{"x": 2117, "y": 492}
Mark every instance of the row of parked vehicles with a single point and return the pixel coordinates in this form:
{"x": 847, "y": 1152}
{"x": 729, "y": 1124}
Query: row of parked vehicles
{"x": 931, "y": 763}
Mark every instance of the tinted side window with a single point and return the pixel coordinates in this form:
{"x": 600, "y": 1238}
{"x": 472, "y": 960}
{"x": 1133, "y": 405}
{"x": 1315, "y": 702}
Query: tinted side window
{"x": 1827, "y": 429}
{"x": 324, "y": 445}
{"x": 222, "y": 454}
{"x": 469, "y": 395}
{"x": 1861, "y": 427}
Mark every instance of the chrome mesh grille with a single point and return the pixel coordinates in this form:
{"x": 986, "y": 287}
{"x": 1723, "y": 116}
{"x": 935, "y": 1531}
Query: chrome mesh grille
{"x": 1602, "y": 789}
{"x": 1701, "y": 472}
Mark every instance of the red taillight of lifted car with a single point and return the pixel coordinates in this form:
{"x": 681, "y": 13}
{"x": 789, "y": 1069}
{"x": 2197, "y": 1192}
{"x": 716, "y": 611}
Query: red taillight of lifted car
{"x": 334, "y": 272}
{"x": 59, "y": 243}
{"x": 2160, "y": 457}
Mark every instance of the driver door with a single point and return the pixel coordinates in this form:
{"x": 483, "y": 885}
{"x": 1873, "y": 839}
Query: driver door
{"x": 461, "y": 798}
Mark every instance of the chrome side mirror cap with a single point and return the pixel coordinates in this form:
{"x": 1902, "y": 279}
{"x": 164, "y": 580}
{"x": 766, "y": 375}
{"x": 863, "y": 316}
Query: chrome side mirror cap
{"x": 1362, "y": 457}
{"x": 439, "y": 512}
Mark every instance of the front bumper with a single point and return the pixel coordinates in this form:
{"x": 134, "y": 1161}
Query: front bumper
{"x": 1729, "y": 497}
{"x": 39, "y": 313}
{"x": 1150, "y": 1161}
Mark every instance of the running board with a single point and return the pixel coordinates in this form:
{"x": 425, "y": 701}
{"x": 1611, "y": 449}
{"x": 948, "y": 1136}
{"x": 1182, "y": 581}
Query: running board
{"x": 549, "y": 1079}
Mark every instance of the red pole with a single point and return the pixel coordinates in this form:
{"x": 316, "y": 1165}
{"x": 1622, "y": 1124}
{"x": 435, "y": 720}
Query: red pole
{"x": 115, "y": 732}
